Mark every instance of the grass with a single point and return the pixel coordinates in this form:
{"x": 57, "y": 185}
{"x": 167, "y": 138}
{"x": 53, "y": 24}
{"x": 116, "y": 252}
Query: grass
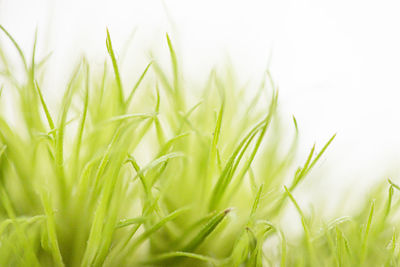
{"x": 118, "y": 177}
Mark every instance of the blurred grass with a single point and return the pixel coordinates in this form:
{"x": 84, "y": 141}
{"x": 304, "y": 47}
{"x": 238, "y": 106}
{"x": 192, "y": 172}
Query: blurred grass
{"x": 119, "y": 177}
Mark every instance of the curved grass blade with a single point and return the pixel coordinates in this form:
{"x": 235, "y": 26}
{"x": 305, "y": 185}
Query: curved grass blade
{"x": 51, "y": 230}
{"x": 366, "y": 234}
{"x": 59, "y": 155}
{"x": 130, "y": 116}
{"x": 305, "y": 227}
{"x": 174, "y": 62}
{"x": 21, "y": 54}
{"x": 45, "y": 108}
{"x": 155, "y": 228}
{"x": 83, "y": 120}
{"x": 116, "y": 71}
{"x": 159, "y": 161}
{"x": 30, "y": 257}
{"x": 128, "y": 222}
{"x": 135, "y": 87}
{"x": 230, "y": 167}
{"x": 208, "y": 228}
{"x": 176, "y": 254}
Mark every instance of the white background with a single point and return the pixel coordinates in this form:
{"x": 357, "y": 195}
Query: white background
{"x": 337, "y": 63}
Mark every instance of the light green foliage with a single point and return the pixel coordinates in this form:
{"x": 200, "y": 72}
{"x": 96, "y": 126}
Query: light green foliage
{"x": 157, "y": 179}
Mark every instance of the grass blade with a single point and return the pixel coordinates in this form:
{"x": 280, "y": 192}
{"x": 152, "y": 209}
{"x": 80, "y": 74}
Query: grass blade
{"x": 45, "y": 108}
{"x": 116, "y": 71}
{"x": 208, "y": 228}
{"x": 176, "y": 254}
{"x": 366, "y": 233}
{"x": 51, "y": 230}
{"x": 21, "y": 54}
{"x": 135, "y": 87}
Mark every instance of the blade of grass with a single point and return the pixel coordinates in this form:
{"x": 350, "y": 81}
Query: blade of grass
{"x": 393, "y": 184}
{"x": 366, "y": 234}
{"x": 159, "y": 161}
{"x": 82, "y": 121}
{"x": 130, "y": 116}
{"x": 257, "y": 145}
{"x": 21, "y": 54}
{"x": 139, "y": 173}
{"x": 2, "y": 150}
{"x": 59, "y": 155}
{"x": 128, "y": 222}
{"x": 208, "y": 228}
{"x": 174, "y": 62}
{"x": 155, "y": 228}
{"x": 230, "y": 167}
{"x": 305, "y": 227}
{"x": 51, "y": 230}
{"x": 137, "y": 84}
{"x": 30, "y": 255}
{"x": 45, "y": 108}
{"x": 282, "y": 239}
{"x": 176, "y": 254}
{"x": 116, "y": 71}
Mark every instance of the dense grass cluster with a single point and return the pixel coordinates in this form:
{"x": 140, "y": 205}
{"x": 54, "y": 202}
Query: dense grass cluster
{"x": 164, "y": 173}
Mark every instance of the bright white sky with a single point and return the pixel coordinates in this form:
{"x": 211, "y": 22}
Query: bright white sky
{"x": 337, "y": 62}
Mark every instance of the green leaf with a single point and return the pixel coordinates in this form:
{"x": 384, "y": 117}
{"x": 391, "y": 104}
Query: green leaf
{"x": 116, "y": 71}
{"x": 207, "y": 229}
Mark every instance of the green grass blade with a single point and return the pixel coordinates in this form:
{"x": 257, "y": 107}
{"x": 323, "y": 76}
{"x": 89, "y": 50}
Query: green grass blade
{"x": 255, "y": 205}
{"x": 59, "y": 154}
{"x": 116, "y": 71}
{"x": 2, "y": 150}
{"x": 393, "y": 184}
{"x": 159, "y": 161}
{"x": 139, "y": 173}
{"x": 208, "y": 228}
{"x": 176, "y": 254}
{"x": 30, "y": 256}
{"x": 174, "y": 62}
{"x": 321, "y": 152}
{"x": 137, "y": 84}
{"x": 156, "y": 227}
{"x": 130, "y": 117}
{"x": 230, "y": 167}
{"x": 366, "y": 233}
{"x": 21, "y": 54}
{"x": 51, "y": 230}
{"x": 305, "y": 227}
{"x": 45, "y": 108}
{"x": 128, "y": 222}
{"x": 83, "y": 120}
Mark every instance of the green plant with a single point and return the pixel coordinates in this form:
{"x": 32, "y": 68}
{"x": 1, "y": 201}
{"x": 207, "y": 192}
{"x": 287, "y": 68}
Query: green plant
{"x": 148, "y": 176}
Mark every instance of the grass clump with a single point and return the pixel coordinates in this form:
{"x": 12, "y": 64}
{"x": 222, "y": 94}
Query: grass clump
{"x": 118, "y": 177}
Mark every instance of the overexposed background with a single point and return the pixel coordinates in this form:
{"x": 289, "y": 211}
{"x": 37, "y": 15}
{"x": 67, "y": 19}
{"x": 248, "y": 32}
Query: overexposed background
{"x": 337, "y": 63}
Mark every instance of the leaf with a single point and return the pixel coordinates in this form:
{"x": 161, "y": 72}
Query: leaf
{"x": 208, "y": 228}
{"x": 51, "y": 230}
{"x": 175, "y": 254}
{"x": 116, "y": 71}
{"x": 156, "y": 227}
{"x": 128, "y": 222}
{"x": 366, "y": 233}
{"x": 159, "y": 161}
{"x": 45, "y": 108}
{"x": 139, "y": 81}
{"x": 21, "y": 54}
